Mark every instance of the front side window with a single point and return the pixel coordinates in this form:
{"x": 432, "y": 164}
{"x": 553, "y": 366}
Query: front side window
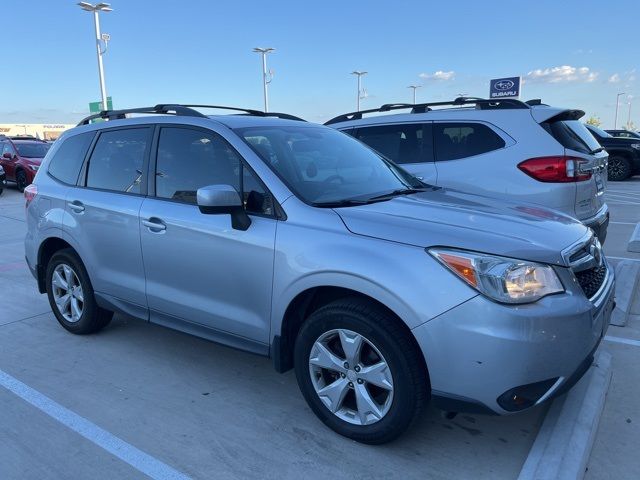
{"x": 117, "y": 160}
{"x": 402, "y": 143}
{"x": 67, "y": 160}
{"x": 323, "y": 166}
{"x": 189, "y": 159}
{"x": 7, "y": 149}
{"x": 460, "y": 140}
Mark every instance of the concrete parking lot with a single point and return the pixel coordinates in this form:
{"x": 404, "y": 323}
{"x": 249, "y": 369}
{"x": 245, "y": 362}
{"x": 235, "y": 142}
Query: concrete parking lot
{"x": 148, "y": 399}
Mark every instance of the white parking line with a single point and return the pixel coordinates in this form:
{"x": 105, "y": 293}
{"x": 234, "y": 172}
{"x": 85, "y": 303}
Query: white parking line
{"x": 126, "y": 452}
{"x": 623, "y": 258}
{"x": 626, "y": 341}
{"x": 623, "y": 197}
{"x": 622, "y": 192}
{"x": 623, "y": 223}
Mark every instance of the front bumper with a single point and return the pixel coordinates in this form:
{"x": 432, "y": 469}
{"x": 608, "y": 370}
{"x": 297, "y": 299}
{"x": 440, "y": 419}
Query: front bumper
{"x": 491, "y": 358}
{"x": 599, "y": 223}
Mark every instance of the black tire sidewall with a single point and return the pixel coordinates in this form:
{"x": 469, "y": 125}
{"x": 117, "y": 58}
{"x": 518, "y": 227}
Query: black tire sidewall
{"x": 90, "y": 311}
{"x": 405, "y": 394}
{"x": 21, "y": 185}
{"x": 626, "y": 168}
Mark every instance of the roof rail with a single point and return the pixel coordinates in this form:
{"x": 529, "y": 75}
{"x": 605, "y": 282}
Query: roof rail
{"x": 181, "y": 110}
{"x": 481, "y": 103}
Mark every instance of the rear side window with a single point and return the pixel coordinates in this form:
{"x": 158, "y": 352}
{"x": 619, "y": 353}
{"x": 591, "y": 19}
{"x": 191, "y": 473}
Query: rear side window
{"x": 117, "y": 160}
{"x": 402, "y": 143}
{"x": 572, "y": 134}
{"x": 461, "y": 140}
{"x": 66, "y": 162}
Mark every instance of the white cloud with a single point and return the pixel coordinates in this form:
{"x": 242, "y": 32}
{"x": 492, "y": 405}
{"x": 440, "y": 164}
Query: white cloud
{"x": 439, "y": 76}
{"x": 615, "y": 78}
{"x": 562, "y": 74}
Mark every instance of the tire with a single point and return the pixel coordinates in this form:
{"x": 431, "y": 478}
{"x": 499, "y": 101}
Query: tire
{"x": 21, "y": 180}
{"x": 619, "y": 168}
{"x": 384, "y": 341}
{"x": 69, "y": 267}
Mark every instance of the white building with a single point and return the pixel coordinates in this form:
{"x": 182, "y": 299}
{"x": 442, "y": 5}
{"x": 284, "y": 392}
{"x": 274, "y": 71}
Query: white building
{"x": 45, "y": 131}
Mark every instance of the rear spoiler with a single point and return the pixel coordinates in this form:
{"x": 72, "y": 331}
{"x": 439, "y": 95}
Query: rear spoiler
{"x": 551, "y": 115}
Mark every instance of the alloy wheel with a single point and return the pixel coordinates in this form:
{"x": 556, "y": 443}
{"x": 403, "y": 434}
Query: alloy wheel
{"x": 67, "y": 293}
{"x": 351, "y": 377}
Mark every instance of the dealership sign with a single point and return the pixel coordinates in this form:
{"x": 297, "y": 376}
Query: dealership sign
{"x": 504, "y": 87}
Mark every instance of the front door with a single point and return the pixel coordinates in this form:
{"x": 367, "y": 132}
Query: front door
{"x": 199, "y": 270}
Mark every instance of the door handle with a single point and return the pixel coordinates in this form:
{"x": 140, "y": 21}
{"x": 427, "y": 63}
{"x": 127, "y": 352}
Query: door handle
{"x": 76, "y": 206}
{"x": 154, "y": 224}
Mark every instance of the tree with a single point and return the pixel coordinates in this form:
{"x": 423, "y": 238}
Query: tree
{"x": 630, "y": 126}
{"x": 594, "y": 120}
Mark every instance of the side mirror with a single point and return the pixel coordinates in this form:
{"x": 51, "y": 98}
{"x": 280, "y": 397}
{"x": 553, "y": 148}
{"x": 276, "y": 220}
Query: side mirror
{"x": 7, "y": 155}
{"x": 221, "y": 199}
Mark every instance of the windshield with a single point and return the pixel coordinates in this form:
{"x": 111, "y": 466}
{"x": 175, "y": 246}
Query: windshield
{"x": 599, "y": 132}
{"x": 323, "y": 166}
{"x": 32, "y": 150}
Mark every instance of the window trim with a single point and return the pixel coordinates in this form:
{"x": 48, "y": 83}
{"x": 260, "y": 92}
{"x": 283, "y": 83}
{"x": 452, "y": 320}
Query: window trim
{"x": 84, "y": 159}
{"x": 84, "y": 171}
{"x": 278, "y": 212}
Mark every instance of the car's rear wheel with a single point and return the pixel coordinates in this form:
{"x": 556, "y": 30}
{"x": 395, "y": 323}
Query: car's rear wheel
{"x": 21, "y": 180}
{"x": 619, "y": 168}
{"x": 360, "y": 371}
{"x": 71, "y": 295}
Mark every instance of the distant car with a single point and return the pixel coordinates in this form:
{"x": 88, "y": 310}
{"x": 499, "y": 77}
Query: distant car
{"x": 624, "y": 154}
{"x": 3, "y": 179}
{"x": 20, "y": 157}
{"x": 508, "y": 149}
{"x": 624, "y": 133}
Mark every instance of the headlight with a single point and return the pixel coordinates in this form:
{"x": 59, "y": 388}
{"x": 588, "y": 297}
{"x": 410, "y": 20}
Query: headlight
{"x": 636, "y": 146}
{"x": 34, "y": 167}
{"x": 502, "y": 279}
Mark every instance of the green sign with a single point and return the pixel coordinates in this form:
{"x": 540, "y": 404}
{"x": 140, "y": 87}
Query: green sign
{"x": 96, "y": 107}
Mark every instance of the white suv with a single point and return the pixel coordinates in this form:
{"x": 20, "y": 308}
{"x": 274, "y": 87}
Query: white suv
{"x": 523, "y": 151}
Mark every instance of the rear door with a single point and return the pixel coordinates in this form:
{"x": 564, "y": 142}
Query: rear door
{"x": 580, "y": 143}
{"x": 410, "y": 145}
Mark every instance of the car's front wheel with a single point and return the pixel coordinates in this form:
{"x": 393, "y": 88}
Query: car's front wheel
{"x": 619, "y": 168}
{"x": 71, "y": 295}
{"x": 360, "y": 371}
{"x": 21, "y": 180}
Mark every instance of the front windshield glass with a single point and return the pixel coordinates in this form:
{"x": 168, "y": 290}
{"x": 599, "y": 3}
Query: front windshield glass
{"x": 323, "y": 166}
{"x": 32, "y": 150}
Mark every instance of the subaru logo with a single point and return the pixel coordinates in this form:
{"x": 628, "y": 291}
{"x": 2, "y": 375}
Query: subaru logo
{"x": 504, "y": 85}
{"x": 595, "y": 250}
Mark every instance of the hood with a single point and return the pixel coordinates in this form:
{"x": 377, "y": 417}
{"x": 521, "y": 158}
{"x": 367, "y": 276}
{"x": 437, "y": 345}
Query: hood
{"x": 32, "y": 160}
{"x": 450, "y": 218}
{"x": 618, "y": 141}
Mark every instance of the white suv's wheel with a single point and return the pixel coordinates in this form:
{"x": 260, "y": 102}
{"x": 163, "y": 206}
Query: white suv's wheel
{"x": 360, "y": 371}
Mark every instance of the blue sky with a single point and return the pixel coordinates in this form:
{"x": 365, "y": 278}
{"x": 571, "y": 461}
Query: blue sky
{"x": 571, "y": 53}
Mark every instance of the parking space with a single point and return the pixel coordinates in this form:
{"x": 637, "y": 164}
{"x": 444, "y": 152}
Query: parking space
{"x": 206, "y": 411}
{"x": 202, "y": 409}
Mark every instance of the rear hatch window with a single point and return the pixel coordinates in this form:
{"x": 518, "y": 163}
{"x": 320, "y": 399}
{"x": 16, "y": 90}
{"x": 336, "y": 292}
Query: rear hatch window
{"x": 572, "y": 135}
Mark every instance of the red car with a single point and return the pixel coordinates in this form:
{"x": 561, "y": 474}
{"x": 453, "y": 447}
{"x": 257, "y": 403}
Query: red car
{"x": 20, "y": 158}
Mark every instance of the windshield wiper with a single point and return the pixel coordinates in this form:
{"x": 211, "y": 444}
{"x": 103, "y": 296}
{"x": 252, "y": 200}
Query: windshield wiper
{"x": 596, "y": 150}
{"x": 341, "y": 203}
{"x": 398, "y": 192}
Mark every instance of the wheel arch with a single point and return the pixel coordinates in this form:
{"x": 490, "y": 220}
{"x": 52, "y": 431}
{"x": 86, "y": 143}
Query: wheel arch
{"x": 47, "y": 249}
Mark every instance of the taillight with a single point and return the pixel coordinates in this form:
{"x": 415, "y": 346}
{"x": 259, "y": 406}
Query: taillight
{"x": 561, "y": 169}
{"x": 30, "y": 193}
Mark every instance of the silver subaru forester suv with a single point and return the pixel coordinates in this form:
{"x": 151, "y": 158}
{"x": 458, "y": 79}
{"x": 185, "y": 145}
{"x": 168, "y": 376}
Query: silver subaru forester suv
{"x": 297, "y": 242}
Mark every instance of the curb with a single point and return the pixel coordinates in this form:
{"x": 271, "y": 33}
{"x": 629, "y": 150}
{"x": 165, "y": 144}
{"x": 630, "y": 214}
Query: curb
{"x": 634, "y": 241}
{"x": 627, "y": 275}
{"x": 563, "y": 444}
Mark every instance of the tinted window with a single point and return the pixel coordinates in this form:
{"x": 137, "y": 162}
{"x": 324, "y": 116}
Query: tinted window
{"x": 67, "y": 160}
{"x": 404, "y": 143}
{"x": 7, "y": 148}
{"x": 461, "y": 140}
{"x": 573, "y": 135}
{"x": 117, "y": 160}
{"x": 189, "y": 159}
{"x": 323, "y": 166}
{"x": 32, "y": 150}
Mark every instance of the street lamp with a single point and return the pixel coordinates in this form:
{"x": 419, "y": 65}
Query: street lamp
{"x": 97, "y": 8}
{"x": 415, "y": 87}
{"x": 266, "y": 76}
{"x": 629, "y": 98}
{"x": 359, "y": 74}
{"x": 615, "y": 123}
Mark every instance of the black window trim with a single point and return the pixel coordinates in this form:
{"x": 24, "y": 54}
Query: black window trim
{"x": 278, "y": 211}
{"x": 84, "y": 159}
{"x": 84, "y": 171}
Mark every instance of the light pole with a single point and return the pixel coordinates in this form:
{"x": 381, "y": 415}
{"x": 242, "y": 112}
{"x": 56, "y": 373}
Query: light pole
{"x": 267, "y": 76}
{"x": 615, "y": 122}
{"x": 359, "y": 74}
{"x": 97, "y": 8}
{"x": 629, "y": 114}
{"x": 415, "y": 87}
